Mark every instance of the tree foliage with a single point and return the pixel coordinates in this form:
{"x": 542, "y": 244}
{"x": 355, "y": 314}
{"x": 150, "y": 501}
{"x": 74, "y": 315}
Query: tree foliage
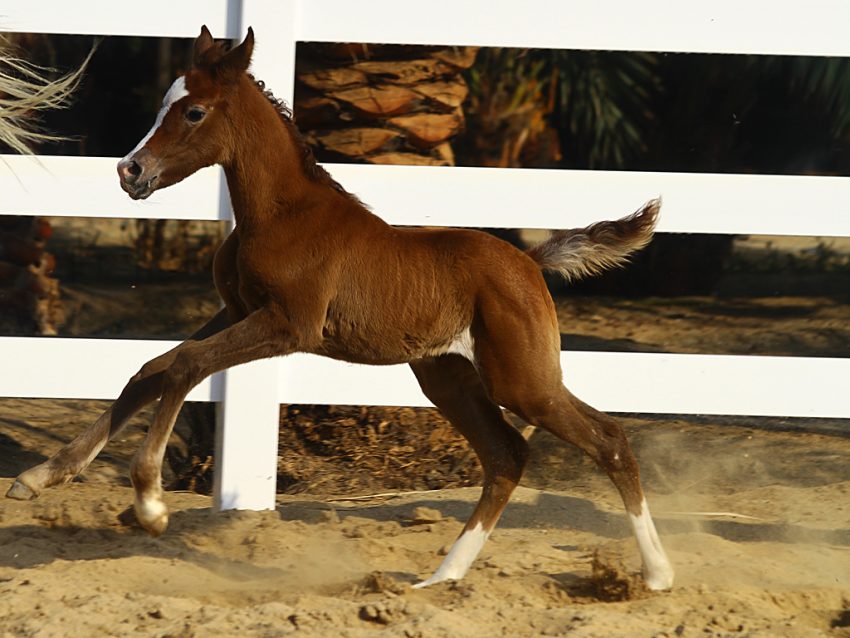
{"x": 659, "y": 111}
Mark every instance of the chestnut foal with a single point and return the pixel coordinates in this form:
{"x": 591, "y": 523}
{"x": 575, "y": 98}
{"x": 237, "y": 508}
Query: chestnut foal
{"x": 309, "y": 269}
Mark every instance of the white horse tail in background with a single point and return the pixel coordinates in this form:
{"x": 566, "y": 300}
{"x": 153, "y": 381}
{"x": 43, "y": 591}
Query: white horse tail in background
{"x": 25, "y": 92}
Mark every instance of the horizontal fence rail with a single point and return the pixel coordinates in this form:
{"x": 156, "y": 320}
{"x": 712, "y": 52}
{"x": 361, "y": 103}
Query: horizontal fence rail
{"x": 464, "y": 196}
{"x": 817, "y": 27}
{"x": 249, "y": 396}
{"x": 613, "y": 381}
{"x": 67, "y": 368}
{"x": 88, "y": 187}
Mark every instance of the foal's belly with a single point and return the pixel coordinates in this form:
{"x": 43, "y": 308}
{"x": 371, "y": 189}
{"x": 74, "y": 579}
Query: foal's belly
{"x": 393, "y": 346}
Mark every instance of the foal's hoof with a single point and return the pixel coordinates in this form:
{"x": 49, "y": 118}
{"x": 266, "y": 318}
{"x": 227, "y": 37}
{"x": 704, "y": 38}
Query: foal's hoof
{"x": 21, "y": 492}
{"x": 430, "y": 581}
{"x": 152, "y": 515}
{"x": 662, "y": 580}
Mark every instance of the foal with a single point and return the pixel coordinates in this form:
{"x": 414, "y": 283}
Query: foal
{"x": 309, "y": 269}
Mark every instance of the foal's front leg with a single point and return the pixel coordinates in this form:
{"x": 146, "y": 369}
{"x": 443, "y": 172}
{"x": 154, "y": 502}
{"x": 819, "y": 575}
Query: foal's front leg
{"x": 262, "y": 334}
{"x": 145, "y": 386}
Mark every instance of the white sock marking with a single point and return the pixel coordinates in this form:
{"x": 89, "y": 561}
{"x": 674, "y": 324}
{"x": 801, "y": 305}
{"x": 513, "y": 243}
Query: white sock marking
{"x": 657, "y": 571}
{"x": 149, "y": 508}
{"x": 176, "y": 92}
{"x": 460, "y": 557}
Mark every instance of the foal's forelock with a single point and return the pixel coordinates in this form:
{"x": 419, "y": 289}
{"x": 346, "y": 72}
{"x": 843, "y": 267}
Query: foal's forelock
{"x": 175, "y": 92}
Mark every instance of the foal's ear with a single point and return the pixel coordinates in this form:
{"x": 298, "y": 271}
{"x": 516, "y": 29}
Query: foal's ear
{"x": 203, "y": 43}
{"x": 235, "y": 62}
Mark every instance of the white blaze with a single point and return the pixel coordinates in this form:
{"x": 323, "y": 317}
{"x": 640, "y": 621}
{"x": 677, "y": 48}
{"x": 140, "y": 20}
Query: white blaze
{"x": 177, "y": 91}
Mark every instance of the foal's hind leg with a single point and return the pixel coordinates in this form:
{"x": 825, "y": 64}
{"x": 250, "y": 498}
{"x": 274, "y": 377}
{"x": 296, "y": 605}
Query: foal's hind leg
{"x": 603, "y": 439}
{"x": 453, "y": 385}
{"x": 143, "y": 388}
{"x": 519, "y": 364}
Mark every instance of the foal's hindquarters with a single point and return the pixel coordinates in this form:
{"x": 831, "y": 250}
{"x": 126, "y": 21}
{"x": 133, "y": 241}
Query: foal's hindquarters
{"x": 515, "y": 363}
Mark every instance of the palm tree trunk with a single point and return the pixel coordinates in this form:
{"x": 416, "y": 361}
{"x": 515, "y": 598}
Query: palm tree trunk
{"x": 381, "y": 104}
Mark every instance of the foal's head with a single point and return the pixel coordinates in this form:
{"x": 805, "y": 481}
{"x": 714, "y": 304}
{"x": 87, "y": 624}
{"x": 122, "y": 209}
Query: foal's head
{"x": 194, "y": 126}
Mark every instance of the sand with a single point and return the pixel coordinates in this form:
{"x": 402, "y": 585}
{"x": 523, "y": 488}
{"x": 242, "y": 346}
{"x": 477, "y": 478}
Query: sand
{"x": 755, "y": 521}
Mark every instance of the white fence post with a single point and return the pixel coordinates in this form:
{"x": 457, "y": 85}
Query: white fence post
{"x": 246, "y": 438}
{"x": 248, "y": 417}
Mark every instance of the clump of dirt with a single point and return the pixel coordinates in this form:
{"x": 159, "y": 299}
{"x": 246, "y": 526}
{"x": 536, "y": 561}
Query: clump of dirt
{"x": 378, "y": 582}
{"x": 610, "y": 581}
{"x": 841, "y": 622}
{"x": 351, "y": 449}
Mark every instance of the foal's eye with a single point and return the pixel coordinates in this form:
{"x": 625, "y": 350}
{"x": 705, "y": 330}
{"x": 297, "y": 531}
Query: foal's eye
{"x": 195, "y": 114}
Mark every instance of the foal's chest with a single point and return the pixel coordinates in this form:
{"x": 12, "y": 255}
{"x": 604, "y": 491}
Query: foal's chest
{"x": 267, "y": 270}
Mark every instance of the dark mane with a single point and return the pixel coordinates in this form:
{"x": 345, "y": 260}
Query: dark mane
{"x": 312, "y": 169}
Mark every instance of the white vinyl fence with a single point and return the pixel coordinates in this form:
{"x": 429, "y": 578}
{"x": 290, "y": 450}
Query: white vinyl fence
{"x": 635, "y": 382}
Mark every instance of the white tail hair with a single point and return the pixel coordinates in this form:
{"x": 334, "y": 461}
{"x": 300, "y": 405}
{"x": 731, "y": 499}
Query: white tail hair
{"x": 25, "y": 91}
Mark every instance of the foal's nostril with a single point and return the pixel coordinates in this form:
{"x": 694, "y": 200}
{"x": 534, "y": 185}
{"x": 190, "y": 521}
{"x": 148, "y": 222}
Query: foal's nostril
{"x": 134, "y": 169}
{"x": 129, "y": 170}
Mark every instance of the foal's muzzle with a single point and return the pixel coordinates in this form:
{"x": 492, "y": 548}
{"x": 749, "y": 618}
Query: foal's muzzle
{"x": 138, "y": 173}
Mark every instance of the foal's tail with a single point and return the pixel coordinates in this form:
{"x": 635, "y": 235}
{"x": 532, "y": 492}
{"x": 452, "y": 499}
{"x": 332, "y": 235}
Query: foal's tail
{"x": 581, "y": 252}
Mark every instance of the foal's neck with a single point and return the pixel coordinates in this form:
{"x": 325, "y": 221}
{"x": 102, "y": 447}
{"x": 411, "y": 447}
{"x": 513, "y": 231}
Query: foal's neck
{"x": 265, "y": 174}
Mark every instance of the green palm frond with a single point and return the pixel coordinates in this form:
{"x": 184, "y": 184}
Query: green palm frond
{"x": 600, "y": 99}
{"x": 604, "y": 102}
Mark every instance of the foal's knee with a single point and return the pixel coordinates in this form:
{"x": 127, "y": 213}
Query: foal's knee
{"x": 149, "y": 369}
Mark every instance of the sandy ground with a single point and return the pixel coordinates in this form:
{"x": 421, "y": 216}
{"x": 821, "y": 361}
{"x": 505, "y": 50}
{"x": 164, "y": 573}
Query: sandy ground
{"x": 755, "y": 521}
